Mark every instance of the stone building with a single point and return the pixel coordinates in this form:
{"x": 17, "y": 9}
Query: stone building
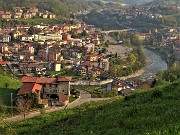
{"x": 55, "y": 91}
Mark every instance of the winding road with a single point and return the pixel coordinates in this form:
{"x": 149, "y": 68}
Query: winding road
{"x": 83, "y": 98}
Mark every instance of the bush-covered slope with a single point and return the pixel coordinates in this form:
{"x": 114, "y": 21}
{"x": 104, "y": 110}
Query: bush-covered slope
{"x": 154, "y": 112}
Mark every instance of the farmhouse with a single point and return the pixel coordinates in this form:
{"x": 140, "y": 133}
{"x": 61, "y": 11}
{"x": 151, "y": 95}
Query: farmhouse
{"x": 54, "y": 91}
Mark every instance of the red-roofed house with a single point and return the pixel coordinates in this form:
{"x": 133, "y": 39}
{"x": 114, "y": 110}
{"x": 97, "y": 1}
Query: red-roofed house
{"x": 31, "y": 87}
{"x": 2, "y": 63}
{"x": 55, "y": 90}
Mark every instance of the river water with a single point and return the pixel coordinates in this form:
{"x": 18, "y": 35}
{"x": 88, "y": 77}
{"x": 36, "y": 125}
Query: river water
{"x": 154, "y": 64}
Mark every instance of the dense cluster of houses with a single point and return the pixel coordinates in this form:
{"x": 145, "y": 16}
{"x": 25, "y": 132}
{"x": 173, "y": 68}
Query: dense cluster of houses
{"x": 25, "y": 13}
{"x": 172, "y": 40}
{"x": 50, "y": 45}
{"x": 176, "y": 48}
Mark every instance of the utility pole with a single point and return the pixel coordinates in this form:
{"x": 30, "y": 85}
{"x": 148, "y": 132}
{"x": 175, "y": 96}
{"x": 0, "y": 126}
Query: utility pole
{"x": 12, "y": 104}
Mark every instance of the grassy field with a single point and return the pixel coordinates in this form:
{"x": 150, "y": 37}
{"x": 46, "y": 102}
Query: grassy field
{"x": 96, "y": 91}
{"x": 154, "y": 112}
{"x": 7, "y": 86}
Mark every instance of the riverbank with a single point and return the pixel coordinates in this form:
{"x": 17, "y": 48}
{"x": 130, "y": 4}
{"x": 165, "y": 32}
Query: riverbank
{"x": 136, "y": 74}
{"x": 154, "y": 64}
{"x": 167, "y": 55}
{"x": 139, "y": 72}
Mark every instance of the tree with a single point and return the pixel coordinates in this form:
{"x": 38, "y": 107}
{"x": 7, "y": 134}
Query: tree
{"x": 158, "y": 37}
{"x": 131, "y": 58}
{"x": 127, "y": 42}
{"x": 31, "y": 30}
{"x": 135, "y": 40}
{"x": 6, "y": 85}
{"x": 84, "y": 33}
{"x": 65, "y": 54}
{"x": 113, "y": 70}
{"x": 24, "y": 106}
{"x": 92, "y": 78}
{"x": 114, "y": 91}
{"x": 104, "y": 50}
{"x": 107, "y": 43}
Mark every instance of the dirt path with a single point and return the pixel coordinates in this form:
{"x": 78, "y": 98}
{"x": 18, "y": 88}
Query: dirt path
{"x": 84, "y": 98}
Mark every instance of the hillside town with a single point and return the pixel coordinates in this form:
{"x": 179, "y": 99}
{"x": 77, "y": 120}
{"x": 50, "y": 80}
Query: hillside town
{"x": 80, "y": 67}
{"x": 26, "y": 13}
{"x": 45, "y": 52}
{"x": 40, "y": 50}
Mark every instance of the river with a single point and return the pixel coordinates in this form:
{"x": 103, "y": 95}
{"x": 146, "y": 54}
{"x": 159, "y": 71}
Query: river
{"x": 154, "y": 64}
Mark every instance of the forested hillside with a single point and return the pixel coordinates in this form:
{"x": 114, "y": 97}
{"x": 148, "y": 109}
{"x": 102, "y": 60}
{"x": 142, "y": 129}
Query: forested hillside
{"x": 60, "y": 7}
{"x": 139, "y": 2}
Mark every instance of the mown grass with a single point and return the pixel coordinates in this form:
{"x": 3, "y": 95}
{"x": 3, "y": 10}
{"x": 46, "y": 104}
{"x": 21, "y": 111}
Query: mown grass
{"x": 154, "y": 112}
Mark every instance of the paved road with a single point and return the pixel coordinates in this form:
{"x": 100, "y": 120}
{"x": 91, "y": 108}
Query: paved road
{"x": 84, "y": 97}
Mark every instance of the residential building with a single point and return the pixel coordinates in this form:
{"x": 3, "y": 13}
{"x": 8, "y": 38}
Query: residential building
{"x": 26, "y": 15}
{"x": 3, "y": 48}
{"x": 5, "y": 38}
{"x": 27, "y": 38}
{"x": 54, "y": 90}
{"x": 49, "y": 55}
{"x": 5, "y": 15}
{"x": 104, "y": 64}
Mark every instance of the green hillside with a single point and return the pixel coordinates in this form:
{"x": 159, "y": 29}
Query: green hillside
{"x": 59, "y": 7}
{"x": 140, "y": 2}
{"x": 62, "y": 8}
{"x": 154, "y": 112}
{"x": 8, "y": 85}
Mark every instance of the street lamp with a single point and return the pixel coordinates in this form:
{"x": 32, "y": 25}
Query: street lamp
{"x": 12, "y": 104}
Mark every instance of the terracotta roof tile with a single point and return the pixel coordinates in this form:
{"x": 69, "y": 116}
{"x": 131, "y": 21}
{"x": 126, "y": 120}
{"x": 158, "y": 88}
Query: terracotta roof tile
{"x": 46, "y": 80}
{"x": 64, "y": 79}
{"x": 26, "y": 79}
{"x": 27, "y": 88}
{"x": 29, "y": 79}
{"x": 3, "y": 63}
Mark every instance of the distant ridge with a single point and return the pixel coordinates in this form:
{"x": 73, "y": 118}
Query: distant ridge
{"x": 140, "y": 2}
